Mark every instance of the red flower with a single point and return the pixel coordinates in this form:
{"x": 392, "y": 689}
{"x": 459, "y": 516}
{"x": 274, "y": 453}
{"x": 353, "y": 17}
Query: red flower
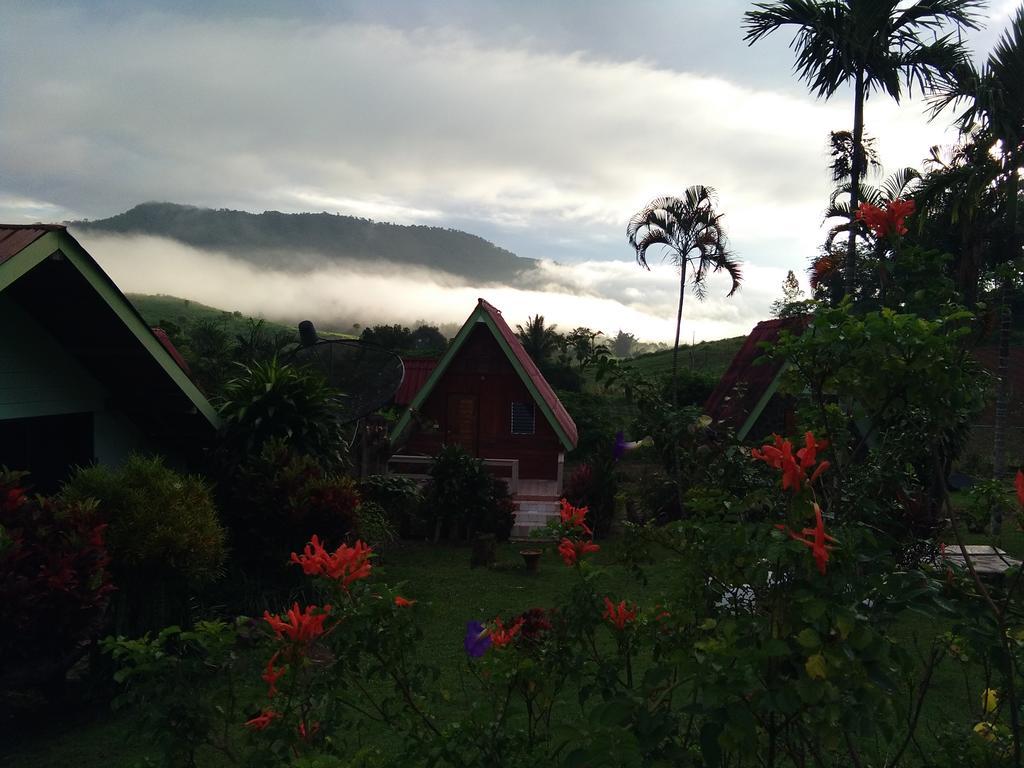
{"x": 1018, "y": 483}
{"x": 401, "y": 602}
{"x": 822, "y": 270}
{"x": 814, "y": 538}
{"x": 262, "y": 720}
{"x": 500, "y": 636}
{"x": 574, "y": 517}
{"x": 881, "y": 222}
{"x": 618, "y": 615}
{"x": 794, "y": 467}
{"x": 347, "y": 564}
{"x": 306, "y": 735}
{"x": 272, "y": 674}
{"x": 299, "y": 626}
{"x": 572, "y": 551}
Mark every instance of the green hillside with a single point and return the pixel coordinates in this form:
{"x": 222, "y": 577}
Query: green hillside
{"x": 708, "y": 357}
{"x": 161, "y": 310}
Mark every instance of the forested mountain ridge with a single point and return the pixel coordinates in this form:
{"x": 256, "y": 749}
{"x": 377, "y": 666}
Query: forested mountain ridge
{"x": 302, "y": 239}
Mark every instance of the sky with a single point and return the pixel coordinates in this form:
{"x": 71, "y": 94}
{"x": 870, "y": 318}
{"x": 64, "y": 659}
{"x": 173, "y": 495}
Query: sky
{"x": 541, "y": 126}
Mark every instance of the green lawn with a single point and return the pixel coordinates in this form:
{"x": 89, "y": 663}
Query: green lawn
{"x": 450, "y": 593}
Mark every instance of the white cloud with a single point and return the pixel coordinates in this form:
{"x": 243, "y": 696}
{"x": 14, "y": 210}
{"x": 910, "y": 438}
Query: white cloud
{"x": 604, "y": 295}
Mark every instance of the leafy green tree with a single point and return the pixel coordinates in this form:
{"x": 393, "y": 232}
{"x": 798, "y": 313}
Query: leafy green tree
{"x": 875, "y": 45}
{"x": 394, "y": 337}
{"x": 539, "y": 340}
{"x": 792, "y": 297}
{"x": 427, "y": 339}
{"x": 994, "y": 102}
{"x": 623, "y": 344}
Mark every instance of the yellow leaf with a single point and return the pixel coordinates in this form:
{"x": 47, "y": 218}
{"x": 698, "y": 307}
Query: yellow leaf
{"x": 815, "y": 667}
{"x": 989, "y": 699}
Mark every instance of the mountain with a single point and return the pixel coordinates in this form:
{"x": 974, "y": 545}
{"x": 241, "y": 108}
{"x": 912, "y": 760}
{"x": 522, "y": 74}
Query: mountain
{"x": 306, "y": 239}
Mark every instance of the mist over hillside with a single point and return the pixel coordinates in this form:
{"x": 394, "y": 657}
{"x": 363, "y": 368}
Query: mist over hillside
{"x": 306, "y": 240}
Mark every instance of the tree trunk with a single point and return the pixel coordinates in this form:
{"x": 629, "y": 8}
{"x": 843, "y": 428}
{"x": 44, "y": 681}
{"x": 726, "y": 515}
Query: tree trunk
{"x": 676, "y": 466}
{"x": 1005, "y": 327}
{"x": 850, "y": 278}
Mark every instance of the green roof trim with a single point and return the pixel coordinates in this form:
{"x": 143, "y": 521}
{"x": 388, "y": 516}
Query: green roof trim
{"x": 61, "y": 242}
{"x": 758, "y": 409}
{"x": 479, "y": 316}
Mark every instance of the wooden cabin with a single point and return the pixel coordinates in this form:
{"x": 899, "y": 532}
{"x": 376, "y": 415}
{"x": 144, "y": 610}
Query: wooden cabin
{"x": 488, "y": 396}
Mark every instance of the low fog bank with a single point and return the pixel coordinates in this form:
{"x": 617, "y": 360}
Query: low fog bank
{"x": 604, "y": 295}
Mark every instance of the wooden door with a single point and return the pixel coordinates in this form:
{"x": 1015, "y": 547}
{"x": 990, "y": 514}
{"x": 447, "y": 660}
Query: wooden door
{"x": 461, "y": 428}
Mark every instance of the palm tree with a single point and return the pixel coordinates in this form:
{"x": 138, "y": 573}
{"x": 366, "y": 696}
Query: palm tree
{"x": 994, "y": 99}
{"x": 539, "y": 340}
{"x": 691, "y": 230}
{"x": 873, "y": 45}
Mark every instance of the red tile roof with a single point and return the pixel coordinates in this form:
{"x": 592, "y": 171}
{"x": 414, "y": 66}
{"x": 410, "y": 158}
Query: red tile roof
{"x": 417, "y": 371}
{"x": 741, "y": 387}
{"x": 546, "y": 392}
{"x": 14, "y": 238}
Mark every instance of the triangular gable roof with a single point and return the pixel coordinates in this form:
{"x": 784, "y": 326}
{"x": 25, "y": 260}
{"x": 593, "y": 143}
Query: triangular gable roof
{"x": 543, "y": 395}
{"x": 747, "y": 386}
{"x": 25, "y": 247}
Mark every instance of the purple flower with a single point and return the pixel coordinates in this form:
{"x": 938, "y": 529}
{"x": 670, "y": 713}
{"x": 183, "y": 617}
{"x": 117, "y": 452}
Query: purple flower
{"x": 619, "y": 449}
{"x": 477, "y": 639}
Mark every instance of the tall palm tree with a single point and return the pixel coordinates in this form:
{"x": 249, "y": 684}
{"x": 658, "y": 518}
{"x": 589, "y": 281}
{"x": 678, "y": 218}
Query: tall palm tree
{"x": 873, "y": 45}
{"x": 994, "y": 97}
{"x": 691, "y": 230}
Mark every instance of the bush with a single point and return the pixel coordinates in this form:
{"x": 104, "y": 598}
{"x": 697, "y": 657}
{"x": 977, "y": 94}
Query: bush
{"x": 54, "y": 584}
{"x": 463, "y": 499}
{"x": 374, "y": 526}
{"x": 594, "y": 485}
{"x": 982, "y": 501}
{"x": 401, "y": 499}
{"x": 276, "y": 401}
{"x": 165, "y": 537}
{"x": 279, "y": 497}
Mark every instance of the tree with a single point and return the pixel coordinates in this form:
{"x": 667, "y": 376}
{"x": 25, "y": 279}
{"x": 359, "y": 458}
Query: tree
{"x": 623, "y": 343}
{"x": 792, "y": 297}
{"x": 583, "y": 343}
{"x": 691, "y": 230}
{"x": 428, "y": 338}
{"x": 394, "y": 337}
{"x": 873, "y": 45}
{"x": 994, "y": 97}
{"x": 539, "y": 340}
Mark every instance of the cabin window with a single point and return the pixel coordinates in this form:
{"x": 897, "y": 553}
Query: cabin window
{"x": 524, "y": 418}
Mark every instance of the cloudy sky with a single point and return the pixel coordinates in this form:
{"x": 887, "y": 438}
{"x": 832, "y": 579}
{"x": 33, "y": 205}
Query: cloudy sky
{"x": 541, "y": 126}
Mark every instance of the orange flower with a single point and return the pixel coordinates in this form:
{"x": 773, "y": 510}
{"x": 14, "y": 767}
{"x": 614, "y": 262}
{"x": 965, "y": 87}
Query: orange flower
{"x": 881, "y": 222}
{"x": 306, "y": 735}
{"x": 299, "y": 626}
{"x": 272, "y": 674}
{"x": 794, "y": 467}
{"x": 401, "y": 602}
{"x": 500, "y": 636}
{"x": 346, "y": 564}
{"x": 574, "y": 517}
{"x": 618, "y": 615}
{"x": 572, "y": 551}
{"x": 815, "y": 539}
{"x": 262, "y": 720}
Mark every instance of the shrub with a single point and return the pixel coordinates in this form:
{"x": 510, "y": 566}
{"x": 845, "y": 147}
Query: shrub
{"x": 462, "y": 498}
{"x": 985, "y": 500}
{"x": 374, "y": 526}
{"x": 401, "y": 498}
{"x": 279, "y": 497}
{"x": 276, "y": 401}
{"x": 54, "y": 583}
{"x": 165, "y": 536}
{"x": 594, "y": 485}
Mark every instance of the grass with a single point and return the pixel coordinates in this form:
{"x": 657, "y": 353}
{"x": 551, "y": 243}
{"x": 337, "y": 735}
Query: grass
{"x": 708, "y": 357}
{"x": 449, "y": 594}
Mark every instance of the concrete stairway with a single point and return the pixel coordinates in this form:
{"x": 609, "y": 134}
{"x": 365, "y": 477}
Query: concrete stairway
{"x": 533, "y": 513}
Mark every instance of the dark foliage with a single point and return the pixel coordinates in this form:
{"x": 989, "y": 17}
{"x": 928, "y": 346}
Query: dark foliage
{"x": 463, "y": 499}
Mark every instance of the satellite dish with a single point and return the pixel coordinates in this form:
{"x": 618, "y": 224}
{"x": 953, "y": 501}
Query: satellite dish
{"x": 367, "y": 376}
